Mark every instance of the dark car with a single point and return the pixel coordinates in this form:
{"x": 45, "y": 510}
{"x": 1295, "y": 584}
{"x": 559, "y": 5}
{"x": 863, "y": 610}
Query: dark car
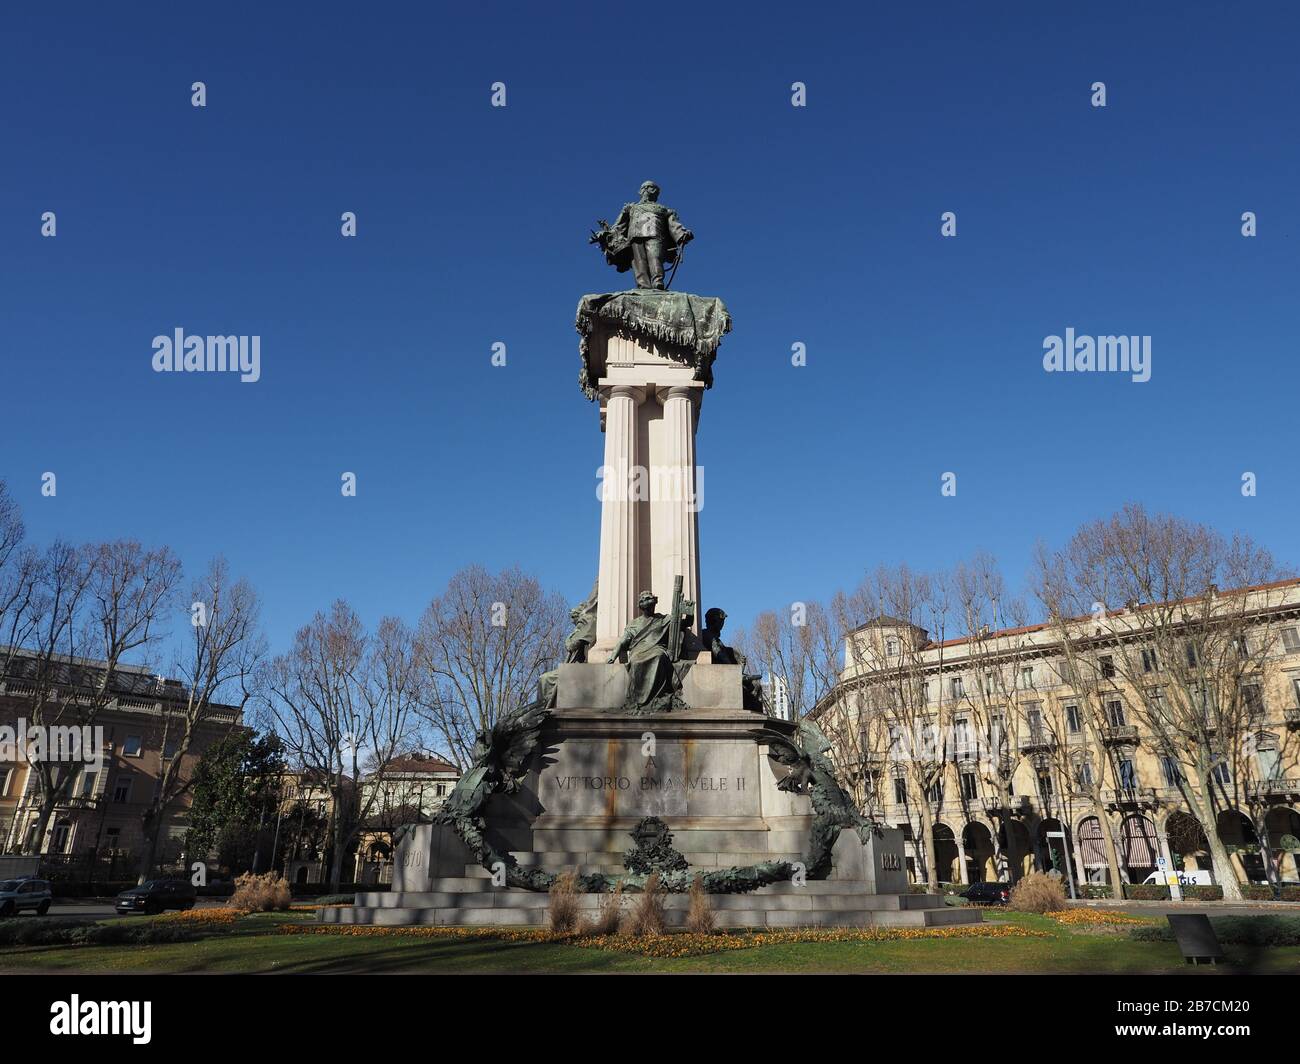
{"x": 987, "y": 893}
{"x": 28, "y": 893}
{"x": 155, "y": 895}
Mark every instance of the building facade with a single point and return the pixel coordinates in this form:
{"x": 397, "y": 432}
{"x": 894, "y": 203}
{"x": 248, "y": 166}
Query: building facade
{"x": 1055, "y": 746}
{"x": 99, "y": 814}
{"x": 408, "y": 789}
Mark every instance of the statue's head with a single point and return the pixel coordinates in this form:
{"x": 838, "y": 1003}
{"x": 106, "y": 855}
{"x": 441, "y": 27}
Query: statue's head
{"x": 649, "y": 192}
{"x": 575, "y": 614}
{"x": 714, "y": 619}
{"x": 646, "y": 600}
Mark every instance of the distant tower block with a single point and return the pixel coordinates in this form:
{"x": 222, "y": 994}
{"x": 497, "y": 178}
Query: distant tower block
{"x": 650, "y": 401}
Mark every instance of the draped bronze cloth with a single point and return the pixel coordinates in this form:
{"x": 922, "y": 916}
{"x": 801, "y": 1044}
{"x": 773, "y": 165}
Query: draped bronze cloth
{"x": 650, "y": 683}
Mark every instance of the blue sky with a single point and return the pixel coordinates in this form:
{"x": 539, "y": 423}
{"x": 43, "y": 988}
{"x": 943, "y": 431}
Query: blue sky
{"x": 817, "y": 225}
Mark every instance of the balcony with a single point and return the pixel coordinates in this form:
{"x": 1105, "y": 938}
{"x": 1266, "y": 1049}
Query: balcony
{"x": 1037, "y": 742}
{"x": 1276, "y": 790}
{"x": 1019, "y": 805}
{"x": 80, "y": 801}
{"x": 1120, "y": 734}
{"x": 1292, "y": 715}
{"x": 1131, "y": 798}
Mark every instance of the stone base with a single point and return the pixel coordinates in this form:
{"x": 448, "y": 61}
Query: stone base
{"x": 471, "y": 900}
{"x": 704, "y": 772}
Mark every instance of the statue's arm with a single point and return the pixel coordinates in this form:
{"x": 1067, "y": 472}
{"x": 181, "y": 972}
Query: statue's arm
{"x": 680, "y": 233}
{"x": 623, "y": 645}
{"x": 620, "y": 223}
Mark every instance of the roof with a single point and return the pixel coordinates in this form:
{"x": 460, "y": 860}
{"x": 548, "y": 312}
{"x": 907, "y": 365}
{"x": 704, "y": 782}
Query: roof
{"x": 416, "y": 764}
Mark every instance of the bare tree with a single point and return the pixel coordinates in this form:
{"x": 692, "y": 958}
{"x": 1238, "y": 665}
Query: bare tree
{"x": 344, "y": 701}
{"x": 90, "y": 608}
{"x": 216, "y": 672}
{"x": 1000, "y": 701}
{"x": 482, "y": 647}
{"x": 798, "y": 647}
{"x": 899, "y": 701}
{"x": 1189, "y": 654}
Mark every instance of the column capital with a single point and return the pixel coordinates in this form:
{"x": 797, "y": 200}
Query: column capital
{"x": 623, "y": 391}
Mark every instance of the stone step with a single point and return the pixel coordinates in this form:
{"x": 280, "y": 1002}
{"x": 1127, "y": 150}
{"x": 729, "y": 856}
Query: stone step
{"x": 566, "y": 860}
{"x": 532, "y": 916}
{"x": 784, "y": 901}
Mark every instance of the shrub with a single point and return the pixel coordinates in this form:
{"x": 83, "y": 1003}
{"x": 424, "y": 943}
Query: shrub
{"x": 1257, "y": 892}
{"x": 1289, "y": 894}
{"x": 609, "y": 914}
{"x": 1096, "y": 891}
{"x": 563, "y": 905}
{"x": 264, "y": 893}
{"x": 1200, "y": 892}
{"x": 700, "y": 917}
{"x": 1037, "y": 893}
{"x": 337, "y": 899}
{"x": 646, "y": 916}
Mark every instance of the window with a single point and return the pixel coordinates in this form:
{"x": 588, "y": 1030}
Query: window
{"x": 1291, "y": 640}
{"x": 957, "y": 687}
{"x": 968, "y": 786}
{"x": 990, "y": 683}
{"x": 1045, "y": 785}
{"x": 1242, "y": 644}
{"x": 891, "y": 647}
{"x": 6, "y": 775}
{"x": 1150, "y": 663}
{"x": 88, "y": 781}
{"x": 62, "y": 833}
{"x": 936, "y": 792}
{"x": 871, "y": 782}
{"x": 122, "y": 790}
{"x": 1295, "y": 689}
{"x": 1072, "y": 718}
{"x": 1252, "y": 696}
{"x": 1127, "y": 774}
{"x": 997, "y": 728}
{"x": 1083, "y": 774}
{"x": 131, "y": 746}
{"x": 113, "y": 839}
{"x": 1115, "y": 713}
{"x": 1221, "y": 772}
{"x": 1192, "y": 657}
{"x": 1107, "y": 665}
{"x": 170, "y": 746}
{"x": 442, "y": 790}
{"x": 895, "y": 735}
{"x": 1172, "y": 773}
{"x": 962, "y": 738}
{"x": 1027, "y": 678}
{"x": 900, "y": 790}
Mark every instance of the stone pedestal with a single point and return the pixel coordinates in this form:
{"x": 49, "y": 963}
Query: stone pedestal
{"x": 650, "y": 487}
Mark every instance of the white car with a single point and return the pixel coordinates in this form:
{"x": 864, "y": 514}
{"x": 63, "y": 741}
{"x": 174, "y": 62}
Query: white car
{"x": 1200, "y": 878}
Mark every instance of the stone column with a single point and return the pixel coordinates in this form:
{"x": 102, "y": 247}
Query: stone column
{"x": 617, "y": 591}
{"x": 682, "y": 545}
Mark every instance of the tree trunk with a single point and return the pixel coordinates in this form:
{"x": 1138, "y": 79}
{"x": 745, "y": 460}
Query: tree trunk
{"x": 152, "y": 826}
{"x": 1117, "y": 878}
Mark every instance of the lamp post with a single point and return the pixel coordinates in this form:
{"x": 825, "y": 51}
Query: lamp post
{"x": 1065, "y": 849}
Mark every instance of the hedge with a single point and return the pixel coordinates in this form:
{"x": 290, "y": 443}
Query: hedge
{"x": 74, "y": 932}
{"x": 1264, "y": 930}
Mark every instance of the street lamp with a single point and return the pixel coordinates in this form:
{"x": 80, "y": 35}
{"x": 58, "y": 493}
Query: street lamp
{"x": 1065, "y": 849}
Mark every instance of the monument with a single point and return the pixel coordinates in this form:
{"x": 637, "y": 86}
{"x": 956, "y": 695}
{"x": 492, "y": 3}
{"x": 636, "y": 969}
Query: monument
{"x": 648, "y": 750}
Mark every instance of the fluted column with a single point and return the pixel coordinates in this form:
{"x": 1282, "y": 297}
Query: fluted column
{"x": 683, "y": 521}
{"x": 617, "y": 591}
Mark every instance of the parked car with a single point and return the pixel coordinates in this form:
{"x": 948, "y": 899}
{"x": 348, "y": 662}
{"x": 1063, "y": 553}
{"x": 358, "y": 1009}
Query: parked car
{"x": 28, "y": 893}
{"x": 1200, "y": 878}
{"x": 987, "y": 893}
{"x": 155, "y": 895}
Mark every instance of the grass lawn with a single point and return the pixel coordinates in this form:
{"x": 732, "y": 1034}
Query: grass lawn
{"x": 257, "y": 944}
